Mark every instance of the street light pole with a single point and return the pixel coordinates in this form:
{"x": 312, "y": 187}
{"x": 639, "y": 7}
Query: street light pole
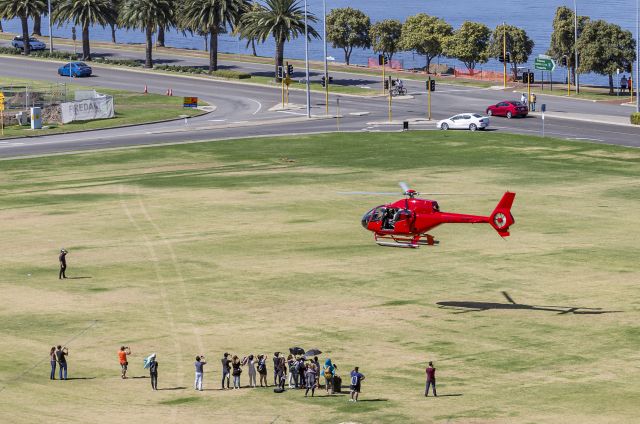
{"x": 306, "y": 58}
{"x": 575, "y": 44}
{"x": 50, "y": 34}
{"x": 326, "y": 71}
{"x": 637, "y": 55}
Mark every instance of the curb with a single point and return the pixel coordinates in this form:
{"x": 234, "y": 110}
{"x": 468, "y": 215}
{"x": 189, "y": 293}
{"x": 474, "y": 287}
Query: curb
{"x": 597, "y": 121}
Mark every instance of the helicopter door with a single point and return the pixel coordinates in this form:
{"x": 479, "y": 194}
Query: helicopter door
{"x": 402, "y": 220}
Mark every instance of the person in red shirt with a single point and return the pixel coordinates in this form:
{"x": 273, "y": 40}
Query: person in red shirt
{"x": 431, "y": 379}
{"x": 122, "y": 356}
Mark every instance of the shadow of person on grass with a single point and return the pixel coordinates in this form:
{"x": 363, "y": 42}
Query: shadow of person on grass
{"x": 81, "y": 378}
{"x": 470, "y": 306}
{"x": 173, "y": 388}
{"x": 373, "y": 400}
{"x": 77, "y": 278}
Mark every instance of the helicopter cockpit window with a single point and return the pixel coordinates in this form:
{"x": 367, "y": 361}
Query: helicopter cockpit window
{"x": 378, "y": 213}
{"x": 436, "y": 207}
{"x": 401, "y": 214}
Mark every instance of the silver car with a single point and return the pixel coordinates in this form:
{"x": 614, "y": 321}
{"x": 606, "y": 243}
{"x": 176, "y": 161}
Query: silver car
{"x": 465, "y": 121}
{"x": 34, "y": 43}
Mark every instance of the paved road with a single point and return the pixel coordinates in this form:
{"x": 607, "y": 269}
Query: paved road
{"x": 243, "y": 110}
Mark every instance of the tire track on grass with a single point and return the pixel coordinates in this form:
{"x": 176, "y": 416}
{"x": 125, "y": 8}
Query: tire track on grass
{"x": 176, "y": 267}
{"x": 163, "y": 293}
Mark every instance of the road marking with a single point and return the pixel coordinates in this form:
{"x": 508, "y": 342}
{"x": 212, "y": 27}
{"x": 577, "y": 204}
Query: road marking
{"x": 585, "y": 138}
{"x": 217, "y": 120}
{"x": 291, "y": 113}
{"x": 259, "y": 106}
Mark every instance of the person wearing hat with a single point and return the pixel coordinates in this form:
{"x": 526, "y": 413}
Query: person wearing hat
{"x": 63, "y": 263}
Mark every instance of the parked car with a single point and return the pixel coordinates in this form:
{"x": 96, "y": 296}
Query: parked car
{"x": 464, "y": 121}
{"x": 78, "y": 69}
{"x": 34, "y": 43}
{"x": 508, "y": 108}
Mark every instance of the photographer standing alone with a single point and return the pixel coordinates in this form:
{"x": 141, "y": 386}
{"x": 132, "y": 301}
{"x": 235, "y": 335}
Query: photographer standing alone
{"x": 63, "y": 263}
{"x": 122, "y": 356}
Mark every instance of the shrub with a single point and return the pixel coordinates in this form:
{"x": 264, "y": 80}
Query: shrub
{"x": 198, "y": 70}
{"x": 635, "y": 118}
{"x": 132, "y": 63}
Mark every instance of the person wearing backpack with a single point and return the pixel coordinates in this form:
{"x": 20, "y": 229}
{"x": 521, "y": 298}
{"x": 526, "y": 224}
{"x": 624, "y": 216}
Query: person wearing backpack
{"x": 328, "y": 371}
{"x": 311, "y": 373}
{"x": 262, "y": 370}
{"x": 356, "y": 380}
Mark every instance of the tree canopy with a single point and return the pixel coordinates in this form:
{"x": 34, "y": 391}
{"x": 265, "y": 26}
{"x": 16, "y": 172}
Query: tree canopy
{"x": 425, "y": 35}
{"x": 348, "y": 28}
{"x": 563, "y": 36}
{"x": 469, "y": 44}
{"x": 385, "y": 37}
{"x": 147, "y": 15}
{"x": 85, "y": 13}
{"x": 519, "y": 45}
{"x": 606, "y": 48}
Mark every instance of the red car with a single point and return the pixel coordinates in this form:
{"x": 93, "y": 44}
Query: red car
{"x": 508, "y": 108}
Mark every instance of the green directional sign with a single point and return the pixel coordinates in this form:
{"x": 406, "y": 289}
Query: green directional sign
{"x": 544, "y": 64}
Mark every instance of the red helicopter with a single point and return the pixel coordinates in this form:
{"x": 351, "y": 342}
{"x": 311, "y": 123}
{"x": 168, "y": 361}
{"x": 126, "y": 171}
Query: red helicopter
{"x": 405, "y": 223}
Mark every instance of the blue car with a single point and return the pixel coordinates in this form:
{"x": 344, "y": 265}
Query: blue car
{"x": 78, "y": 69}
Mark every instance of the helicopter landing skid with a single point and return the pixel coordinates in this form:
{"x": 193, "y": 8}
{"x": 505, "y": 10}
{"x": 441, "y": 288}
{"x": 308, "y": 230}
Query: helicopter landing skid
{"x": 406, "y": 242}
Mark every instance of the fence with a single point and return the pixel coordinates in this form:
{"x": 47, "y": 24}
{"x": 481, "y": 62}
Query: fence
{"x": 480, "y": 75}
{"x": 393, "y": 64}
{"x": 22, "y": 97}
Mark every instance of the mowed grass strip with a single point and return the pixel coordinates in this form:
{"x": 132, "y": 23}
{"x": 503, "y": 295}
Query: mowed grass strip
{"x": 130, "y": 108}
{"x": 246, "y": 246}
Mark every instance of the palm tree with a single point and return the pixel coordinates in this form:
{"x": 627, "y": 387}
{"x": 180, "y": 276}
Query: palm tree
{"x": 209, "y": 17}
{"x": 251, "y": 41}
{"x": 85, "y": 13}
{"x": 282, "y": 19}
{"x": 113, "y": 24}
{"x": 147, "y": 15}
{"x": 22, "y": 9}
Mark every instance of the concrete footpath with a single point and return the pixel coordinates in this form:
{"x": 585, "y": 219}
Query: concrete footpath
{"x": 600, "y": 119}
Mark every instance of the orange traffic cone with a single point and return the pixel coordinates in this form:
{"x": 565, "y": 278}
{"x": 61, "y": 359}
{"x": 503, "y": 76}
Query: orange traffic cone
{"x": 146, "y": 91}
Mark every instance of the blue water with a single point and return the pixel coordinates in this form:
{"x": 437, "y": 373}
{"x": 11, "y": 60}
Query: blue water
{"x": 536, "y": 17}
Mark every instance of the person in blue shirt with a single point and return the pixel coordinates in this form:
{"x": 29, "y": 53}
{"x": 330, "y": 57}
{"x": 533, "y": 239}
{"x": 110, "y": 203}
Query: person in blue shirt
{"x": 356, "y": 380}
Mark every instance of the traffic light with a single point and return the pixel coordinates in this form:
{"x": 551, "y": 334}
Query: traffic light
{"x": 532, "y": 78}
{"x": 508, "y": 58}
{"x": 528, "y": 78}
{"x": 382, "y": 59}
{"x": 501, "y": 58}
{"x": 279, "y": 73}
{"x": 323, "y": 82}
{"x": 431, "y": 84}
{"x": 386, "y": 84}
{"x": 563, "y": 61}
{"x": 289, "y": 70}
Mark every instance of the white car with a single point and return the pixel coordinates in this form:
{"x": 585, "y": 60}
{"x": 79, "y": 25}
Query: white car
{"x": 465, "y": 121}
{"x": 34, "y": 43}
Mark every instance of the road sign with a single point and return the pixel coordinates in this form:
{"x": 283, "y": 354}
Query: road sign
{"x": 544, "y": 64}
{"x": 190, "y": 102}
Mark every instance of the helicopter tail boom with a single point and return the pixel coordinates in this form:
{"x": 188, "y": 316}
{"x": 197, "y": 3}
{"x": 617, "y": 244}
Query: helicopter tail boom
{"x": 501, "y": 218}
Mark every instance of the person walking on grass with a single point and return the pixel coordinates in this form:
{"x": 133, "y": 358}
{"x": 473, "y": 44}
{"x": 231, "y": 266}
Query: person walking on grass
{"x": 122, "y": 357}
{"x": 199, "y": 364}
{"x": 53, "y": 360}
{"x": 153, "y": 372}
{"x": 328, "y": 371}
{"x": 61, "y": 357}
{"x": 356, "y": 380}
{"x": 431, "y": 379}
{"x": 310, "y": 377}
{"x": 63, "y": 263}
{"x": 262, "y": 370}
{"x": 226, "y": 370}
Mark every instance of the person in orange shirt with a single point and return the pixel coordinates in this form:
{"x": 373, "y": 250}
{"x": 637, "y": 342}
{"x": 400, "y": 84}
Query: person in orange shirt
{"x": 122, "y": 356}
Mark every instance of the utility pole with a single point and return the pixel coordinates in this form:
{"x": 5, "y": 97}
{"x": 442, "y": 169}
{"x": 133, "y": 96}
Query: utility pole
{"x": 504, "y": 53}
{"x": 637, "y": 80}
{"x": 429, "y": 98}
{"x": 306, "y": 58}
{"x": 50, "y": 34}
{"x": 575, "y": 44}
{"x": 326, "y": 71}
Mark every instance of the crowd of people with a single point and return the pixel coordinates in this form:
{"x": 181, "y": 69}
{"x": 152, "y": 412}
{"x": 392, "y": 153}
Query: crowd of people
{"x": 294, "y": 371}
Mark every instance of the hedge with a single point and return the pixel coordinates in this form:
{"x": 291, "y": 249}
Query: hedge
{"x": 120, "y": 62}
{"x": 196, "y": 70}
{"x": 635, "y": 118}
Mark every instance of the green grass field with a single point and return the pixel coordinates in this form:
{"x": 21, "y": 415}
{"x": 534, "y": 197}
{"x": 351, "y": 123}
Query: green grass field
{"x": 246, "y": 246}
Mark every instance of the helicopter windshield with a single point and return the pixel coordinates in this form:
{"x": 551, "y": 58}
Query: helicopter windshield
{"x": 374, "y": 215}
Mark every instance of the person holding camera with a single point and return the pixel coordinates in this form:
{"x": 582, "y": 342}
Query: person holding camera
{"x": 63, "y": 263}
{"x": 122, "y": 357}
{"x": 199, "y": 364}
{"x": 61, "y": 356}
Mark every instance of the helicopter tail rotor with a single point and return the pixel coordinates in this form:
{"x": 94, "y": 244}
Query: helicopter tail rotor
{"x": 501, "y": 218}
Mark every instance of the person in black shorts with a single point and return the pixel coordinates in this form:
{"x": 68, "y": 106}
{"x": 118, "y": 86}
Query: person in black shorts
{"x": 356, "y": 379}
{"x": 63, "y": 264}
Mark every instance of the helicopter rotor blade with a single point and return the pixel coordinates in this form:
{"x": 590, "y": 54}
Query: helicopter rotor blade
{"x": 366, "y": 193}
{"x": 404, "y": 186}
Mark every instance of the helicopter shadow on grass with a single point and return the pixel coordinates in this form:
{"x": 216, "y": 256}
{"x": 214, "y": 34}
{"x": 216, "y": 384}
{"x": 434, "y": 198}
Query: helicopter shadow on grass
{"x": 468, "y": 306}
